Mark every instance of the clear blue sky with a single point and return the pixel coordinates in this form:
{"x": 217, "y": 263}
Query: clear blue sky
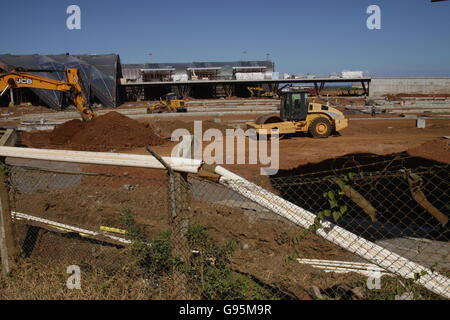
{"x": 318, "y": 37}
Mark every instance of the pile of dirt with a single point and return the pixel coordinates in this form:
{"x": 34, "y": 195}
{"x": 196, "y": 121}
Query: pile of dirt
{"x": 437, "y": 150}
{"x": 104, "y": 133}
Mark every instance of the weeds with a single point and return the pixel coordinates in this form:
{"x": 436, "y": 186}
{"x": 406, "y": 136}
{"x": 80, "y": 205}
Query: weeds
{"x": 209, "y": 272}
{"x": 394, "y": 288}
{"x": 153, "y": 257}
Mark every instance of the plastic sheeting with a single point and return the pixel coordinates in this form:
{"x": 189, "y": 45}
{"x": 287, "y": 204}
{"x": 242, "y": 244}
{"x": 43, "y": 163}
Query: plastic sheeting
{"x": 352, "y": 74}
{"x": 105, "y": 76}
{"x": 52, "y": 98}
{"x": 250, "y": 76}
{"x": 99, "y": 73}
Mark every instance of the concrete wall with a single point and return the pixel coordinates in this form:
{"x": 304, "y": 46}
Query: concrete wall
{"x": 382, "y": 86}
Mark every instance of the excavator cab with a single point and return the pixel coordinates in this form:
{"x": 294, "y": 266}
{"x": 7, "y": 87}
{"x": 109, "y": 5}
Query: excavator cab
{"x": 294, "y": 105}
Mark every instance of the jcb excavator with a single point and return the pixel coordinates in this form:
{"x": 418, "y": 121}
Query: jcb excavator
{"x": 21, "y": 79}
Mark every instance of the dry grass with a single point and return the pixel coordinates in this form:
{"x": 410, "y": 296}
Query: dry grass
{"x": 33, "y": 280}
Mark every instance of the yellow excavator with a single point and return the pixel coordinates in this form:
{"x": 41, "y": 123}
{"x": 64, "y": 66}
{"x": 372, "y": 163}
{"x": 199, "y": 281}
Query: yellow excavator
{"x": 299, "y": 114}
{"x": 21, "y": 79}
{"x": 260, "y": 92}
{"x": 169, "y": 104}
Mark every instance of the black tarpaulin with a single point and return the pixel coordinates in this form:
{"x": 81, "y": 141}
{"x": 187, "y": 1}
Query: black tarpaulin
{"x": 106, "y": 73}
{"x": 53, "y": 99}
{"x": 84, "y": 69}
{"x": 99, "y": 73}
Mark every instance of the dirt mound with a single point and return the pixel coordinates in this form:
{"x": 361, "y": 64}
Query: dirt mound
{"x": 63, "y": 133}
{"x": 104, "y": 133}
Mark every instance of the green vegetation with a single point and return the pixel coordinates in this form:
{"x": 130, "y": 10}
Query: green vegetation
{"x": 154, "y": 257}
{"x": 209, "y": 273}
{"x": 335, "y": 210}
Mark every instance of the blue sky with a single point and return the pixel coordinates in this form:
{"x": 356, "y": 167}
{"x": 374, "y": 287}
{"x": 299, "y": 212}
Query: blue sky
{"x": 318, "y": 37}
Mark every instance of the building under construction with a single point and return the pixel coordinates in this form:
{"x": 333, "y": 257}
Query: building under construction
{"x": 196, "y": 79}
{"x": 109, "y": 83}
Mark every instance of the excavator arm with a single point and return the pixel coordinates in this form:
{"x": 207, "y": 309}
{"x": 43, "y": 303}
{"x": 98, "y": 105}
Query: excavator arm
{"x": 18, "y": 79}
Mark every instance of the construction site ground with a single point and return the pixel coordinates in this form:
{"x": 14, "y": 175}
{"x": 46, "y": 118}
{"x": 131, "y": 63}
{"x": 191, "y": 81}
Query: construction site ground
{"x": 265, "y": 239}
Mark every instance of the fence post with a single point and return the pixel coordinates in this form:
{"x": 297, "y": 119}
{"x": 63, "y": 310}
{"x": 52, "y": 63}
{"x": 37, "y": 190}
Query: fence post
{"x": 180, "y": 221}
{"x": 179, "y": 201}
{"x": 8, "y": 247}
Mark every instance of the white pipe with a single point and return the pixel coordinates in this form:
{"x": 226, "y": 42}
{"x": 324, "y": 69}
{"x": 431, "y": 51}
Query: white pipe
{"x": 367, "y": 273}
{"x": 66, "y": 227}
{"x": 368, "y": 250}
{"x": 340, "y": 263}
{"x": 355, "y": 269}
{"x": 103, "y": 158}
{"x": 4, "y": 90}
{"x": 344, "y": 266}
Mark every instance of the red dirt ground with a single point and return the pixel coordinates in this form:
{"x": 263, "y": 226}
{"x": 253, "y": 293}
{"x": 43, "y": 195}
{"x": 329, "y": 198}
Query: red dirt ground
{"x": 437, "y": 150}
{"x": 378, "y": 137}
{"x": 264, "y": 244}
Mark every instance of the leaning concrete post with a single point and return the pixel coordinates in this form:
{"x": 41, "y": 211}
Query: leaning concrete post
{"x": 179, "y": 217}
{"x": 8, "y": 248}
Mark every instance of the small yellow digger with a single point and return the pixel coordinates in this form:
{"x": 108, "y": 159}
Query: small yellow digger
{"x": 170, "y": 104}
{"x": 260, "y": 92}
{"x": 298, "y": 114}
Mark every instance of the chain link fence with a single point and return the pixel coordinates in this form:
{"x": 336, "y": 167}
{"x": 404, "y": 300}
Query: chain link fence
{"x": 152, "y": 234}
{"x": 401, "y": 208}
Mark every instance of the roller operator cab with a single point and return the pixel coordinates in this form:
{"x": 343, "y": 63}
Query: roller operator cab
{"x": 298, "y": 114}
